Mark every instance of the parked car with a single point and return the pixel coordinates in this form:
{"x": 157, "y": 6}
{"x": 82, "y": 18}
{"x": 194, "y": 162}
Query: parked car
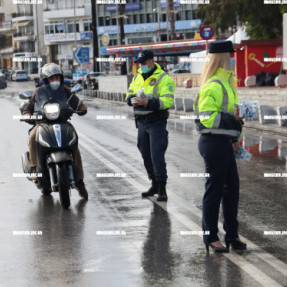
{"x": 3, "y": 83}
{"x": 6, "y": 73}
{"x": 9, "y": 75}
{"x": 94, "y": 79}
{"x": 20, "y": 75}
{"x": 67, "y": 82}
{"x": 77, "y": 76}
{"x": 68, "y": 74}
{"x": 180, "y": 71}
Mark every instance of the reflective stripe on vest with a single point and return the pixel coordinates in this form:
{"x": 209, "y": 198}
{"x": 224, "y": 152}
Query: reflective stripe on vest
{"x": 224, "y": 106}
{"x": 232, "y": 133}
{"x": 154, "y": 95}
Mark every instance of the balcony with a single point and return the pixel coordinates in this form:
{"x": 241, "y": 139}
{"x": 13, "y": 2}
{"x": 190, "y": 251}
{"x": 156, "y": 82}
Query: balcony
{"x": 24, "y": 50}
{"x": 23, "y": 37}
{"x": 25, "y": 16}
{"x": 6, "y": 27}
{"x": 7, "y": 50}
{"x": 67, "y": 13}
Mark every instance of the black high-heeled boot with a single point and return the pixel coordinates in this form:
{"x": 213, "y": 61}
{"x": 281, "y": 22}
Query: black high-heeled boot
{"x": 235, "y": 244}
{"x": 216, "y": 249}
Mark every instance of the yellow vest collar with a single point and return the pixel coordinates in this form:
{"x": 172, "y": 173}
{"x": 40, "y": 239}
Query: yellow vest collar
{"x": 223, "y": 75}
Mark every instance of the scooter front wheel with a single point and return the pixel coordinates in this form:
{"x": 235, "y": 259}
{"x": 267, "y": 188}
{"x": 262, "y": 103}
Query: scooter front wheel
{"x": 63, "y": 185}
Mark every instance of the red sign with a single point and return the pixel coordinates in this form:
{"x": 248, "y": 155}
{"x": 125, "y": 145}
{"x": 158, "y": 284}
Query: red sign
{"x": 206, "y": 33}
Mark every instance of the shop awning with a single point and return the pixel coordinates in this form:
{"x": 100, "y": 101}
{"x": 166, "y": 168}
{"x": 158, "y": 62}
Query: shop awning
{"x": 180, "y": 47}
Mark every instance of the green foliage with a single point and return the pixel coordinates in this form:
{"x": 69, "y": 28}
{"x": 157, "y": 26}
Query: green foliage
{"x": 263, "y": 21}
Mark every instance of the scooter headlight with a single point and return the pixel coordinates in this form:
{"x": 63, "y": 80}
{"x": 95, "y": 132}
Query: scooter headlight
{"x": 52, "y": 111}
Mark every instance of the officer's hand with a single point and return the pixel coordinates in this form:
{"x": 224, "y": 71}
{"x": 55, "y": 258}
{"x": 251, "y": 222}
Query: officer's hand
{"x": 236, "y": 114}
{"x": 142, "y": 101}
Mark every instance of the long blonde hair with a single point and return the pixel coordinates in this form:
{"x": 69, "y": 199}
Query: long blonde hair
{"x": 216, "y": 60}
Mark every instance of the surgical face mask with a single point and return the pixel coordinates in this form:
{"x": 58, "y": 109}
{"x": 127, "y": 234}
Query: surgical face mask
{"x": 145, "y": 68}
{"x": 55, "y": 85}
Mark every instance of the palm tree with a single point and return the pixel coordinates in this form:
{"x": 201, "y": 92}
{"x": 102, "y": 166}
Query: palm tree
{"x": 121, "y": 11}
{"x": 170, "y": 16}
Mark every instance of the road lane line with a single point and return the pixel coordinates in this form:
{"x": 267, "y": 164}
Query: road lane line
{"x": 238, "y": 260}
{"x": 262, "y": 254}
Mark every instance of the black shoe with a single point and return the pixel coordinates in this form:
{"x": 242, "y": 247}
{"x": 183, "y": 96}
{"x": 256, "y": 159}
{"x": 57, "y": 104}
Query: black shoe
{"x": 152, "y": 191}
{"x": 34, "y": 171}
{"x": 162, "y": 196}
{"x": 235, "y": 244}
{"x": 80, "y": 186}
{"x": 217, "y": 249}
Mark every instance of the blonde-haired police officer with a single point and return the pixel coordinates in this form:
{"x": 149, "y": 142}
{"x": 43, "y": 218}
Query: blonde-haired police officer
{"x": 219, "y": 125}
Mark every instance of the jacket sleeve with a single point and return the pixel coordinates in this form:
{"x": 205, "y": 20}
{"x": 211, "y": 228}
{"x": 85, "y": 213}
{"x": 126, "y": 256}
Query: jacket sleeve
{"x": 29, "y": 109}
{"x": 131, "y": 91}
{"x": 228, "y": 122}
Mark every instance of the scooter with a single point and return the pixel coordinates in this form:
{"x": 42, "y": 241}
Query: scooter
{"x": 57, "y": 144}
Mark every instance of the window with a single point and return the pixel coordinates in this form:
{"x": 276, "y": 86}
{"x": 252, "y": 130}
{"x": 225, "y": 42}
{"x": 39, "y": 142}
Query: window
{"x": 52, "y": 29}
{"x": 135, "y": 19}
{"x": 88, "y": 26}
{"x": 149, "y": 18}
{"x": 71, "y": 27}
{"x": 142, "y": 18}
{"x": 101, "y": 21}
{"x": 188, "y": 15}
{"x": 128, "y": 19}
{"x": 114, "y": 21}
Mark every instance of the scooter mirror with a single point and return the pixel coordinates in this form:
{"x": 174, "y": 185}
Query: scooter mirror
{"x": 76, "y": 88}
{"x": 25, "y": 95}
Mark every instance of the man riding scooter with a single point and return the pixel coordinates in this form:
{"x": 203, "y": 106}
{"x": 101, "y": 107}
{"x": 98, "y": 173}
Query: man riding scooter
{"x": 54, "y": 88}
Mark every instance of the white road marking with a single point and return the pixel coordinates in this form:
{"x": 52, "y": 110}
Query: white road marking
{"x": 238, "y": 260}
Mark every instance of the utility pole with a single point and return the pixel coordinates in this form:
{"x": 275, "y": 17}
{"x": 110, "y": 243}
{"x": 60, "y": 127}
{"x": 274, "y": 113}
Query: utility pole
{"x": 121, "y": 12}
{"x": 96, "y": 66}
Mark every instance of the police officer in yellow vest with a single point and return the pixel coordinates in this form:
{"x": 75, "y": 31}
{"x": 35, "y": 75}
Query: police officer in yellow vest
{"x": 220, "y": 126}
{"x": 151, "y": 113}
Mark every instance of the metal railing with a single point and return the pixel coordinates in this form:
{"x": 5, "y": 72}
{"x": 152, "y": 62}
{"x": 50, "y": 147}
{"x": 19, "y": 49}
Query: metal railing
{"x": 22, "y": 14}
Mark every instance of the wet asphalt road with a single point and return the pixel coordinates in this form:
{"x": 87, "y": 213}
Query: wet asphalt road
{"x": 147, "y": 247}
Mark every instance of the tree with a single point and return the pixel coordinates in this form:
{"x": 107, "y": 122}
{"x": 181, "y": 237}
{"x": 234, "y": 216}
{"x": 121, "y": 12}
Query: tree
{"x": 171, "y": 19}
{"x": 262, "y": 21}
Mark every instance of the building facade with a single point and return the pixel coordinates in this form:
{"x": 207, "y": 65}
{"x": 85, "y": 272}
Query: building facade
{"x": 24, "y": 33}
{"x": 67, "y": 24}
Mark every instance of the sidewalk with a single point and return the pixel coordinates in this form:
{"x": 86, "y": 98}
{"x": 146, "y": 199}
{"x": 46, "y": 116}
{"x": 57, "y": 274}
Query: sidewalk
{"x": 250, "y": 125}
{"x": 13, "y": 90}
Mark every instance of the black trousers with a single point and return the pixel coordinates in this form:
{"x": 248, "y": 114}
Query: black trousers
{"x": 221, "y": 185}
{"x": 152, "y": 143}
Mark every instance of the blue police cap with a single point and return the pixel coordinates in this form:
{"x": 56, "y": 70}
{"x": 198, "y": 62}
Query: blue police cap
{"x": 144, "y": 55}
{"x": 220, "y": 47}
